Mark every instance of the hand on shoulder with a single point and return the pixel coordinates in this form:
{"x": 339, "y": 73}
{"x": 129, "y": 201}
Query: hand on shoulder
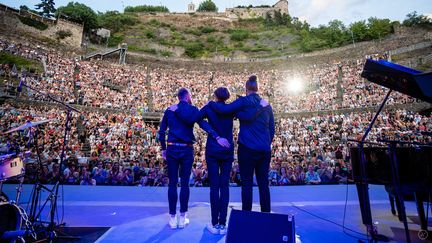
{"x": 264, "y": 103}
{"x": 173, "y": 107}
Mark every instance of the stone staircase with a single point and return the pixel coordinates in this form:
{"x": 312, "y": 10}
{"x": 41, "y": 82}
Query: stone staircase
{"x": 86, "y": 148}
{"x": 82, "y": 134}
{"x": 148, "y": 85}
{"x": 339, "y": 90}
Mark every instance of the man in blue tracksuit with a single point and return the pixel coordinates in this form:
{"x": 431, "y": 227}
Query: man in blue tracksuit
{"x": 219, "y": 159}
{"x": 255, "y": 138}
{"x": 179, "y": 154}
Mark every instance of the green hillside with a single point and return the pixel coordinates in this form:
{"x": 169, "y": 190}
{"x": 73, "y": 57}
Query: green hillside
{"x": 153, "y": 30}
{"x": 208, "y": 35}
{"x": 194, "y": 35}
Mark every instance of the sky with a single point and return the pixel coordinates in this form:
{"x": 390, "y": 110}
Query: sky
{"x": 315, "y": 12}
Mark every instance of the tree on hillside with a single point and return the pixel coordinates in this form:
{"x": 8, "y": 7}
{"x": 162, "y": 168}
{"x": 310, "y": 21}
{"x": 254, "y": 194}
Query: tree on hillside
{"x": 379, "y": 28}
{"x": 146, "y": 9}
{"x": 359, "y": 30}
{"x": 207, "y": 6}
{"x": 116, "y": 21}
{"x": 47, "y": 8}
{"x": 298, "y": 25}
{"x": 80, "y": 13}
{"x": 25, "y": 8}
{"x": 414, "y": 19}
{"x": 336, "y": 33}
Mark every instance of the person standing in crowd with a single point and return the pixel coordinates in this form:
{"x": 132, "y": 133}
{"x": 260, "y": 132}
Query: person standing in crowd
{"x": 255, "y": 138}
{"x": 179, "y": 154}
{"x": 219, "y": 159}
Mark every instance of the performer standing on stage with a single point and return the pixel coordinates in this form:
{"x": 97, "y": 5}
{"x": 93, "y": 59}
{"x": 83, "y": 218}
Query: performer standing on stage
{"x": 219, "y": 159}
{"x": 254, "y": 150}
{"x": 179, "y": 155}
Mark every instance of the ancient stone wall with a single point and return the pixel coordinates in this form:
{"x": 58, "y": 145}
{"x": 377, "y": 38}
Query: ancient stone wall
{"x": 250, "y": 13}
{"x": 10, "y": 22}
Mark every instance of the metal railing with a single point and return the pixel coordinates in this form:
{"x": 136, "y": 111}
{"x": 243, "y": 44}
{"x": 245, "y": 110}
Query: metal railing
{"x": 427, "y": 58}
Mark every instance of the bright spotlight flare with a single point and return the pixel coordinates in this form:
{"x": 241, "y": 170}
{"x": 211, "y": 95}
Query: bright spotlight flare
{"x": 294, "y": 85}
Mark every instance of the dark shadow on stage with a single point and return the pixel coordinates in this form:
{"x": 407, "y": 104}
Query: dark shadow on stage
{"x": 209, "y": 237}
{"x": 416, "y": 220}
{"x": 162, "y": 235}
{"x": 86, "y": 234}
{"x": 399, "y": 233}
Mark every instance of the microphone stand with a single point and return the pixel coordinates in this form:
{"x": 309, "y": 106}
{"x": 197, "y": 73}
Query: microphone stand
{"x": 51, "y": 230}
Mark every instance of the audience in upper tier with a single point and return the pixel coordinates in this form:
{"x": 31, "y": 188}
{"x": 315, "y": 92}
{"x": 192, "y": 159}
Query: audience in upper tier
{"x": 105, "y": 85}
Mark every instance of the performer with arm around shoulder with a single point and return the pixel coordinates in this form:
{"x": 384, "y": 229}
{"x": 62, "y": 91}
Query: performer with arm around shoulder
{"x": 219, "y": 159}
{"x": 178, "y": 153}
{"x": 255, "y": 138}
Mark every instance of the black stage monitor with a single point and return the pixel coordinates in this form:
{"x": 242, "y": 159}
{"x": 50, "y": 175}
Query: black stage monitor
{"x": 247, "y": 226}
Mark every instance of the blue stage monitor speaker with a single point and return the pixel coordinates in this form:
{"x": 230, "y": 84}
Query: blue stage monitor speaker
{"x": 246, "y": 226}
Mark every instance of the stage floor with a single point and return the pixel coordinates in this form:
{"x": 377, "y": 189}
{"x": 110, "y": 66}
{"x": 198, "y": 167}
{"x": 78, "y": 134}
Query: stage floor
{"x": 140, "y": 214}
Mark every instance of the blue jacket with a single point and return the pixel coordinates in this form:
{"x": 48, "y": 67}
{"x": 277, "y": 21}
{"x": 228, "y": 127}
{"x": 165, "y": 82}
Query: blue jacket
{"x": 257, "y": 134}
{"x": 178, "y": 131}
{"x": 221, "y": 124}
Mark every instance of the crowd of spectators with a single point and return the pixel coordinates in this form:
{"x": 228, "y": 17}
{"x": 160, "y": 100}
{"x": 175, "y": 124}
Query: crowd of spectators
{"x": 123, "y": 146}
{"x": 125, "y": 149}
{"x": 102, "y": 84}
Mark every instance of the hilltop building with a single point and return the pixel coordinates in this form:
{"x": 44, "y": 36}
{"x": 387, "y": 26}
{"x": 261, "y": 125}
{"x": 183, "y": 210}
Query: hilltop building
{"x": 255, "y": 12}
{"x": 191, "y": 7}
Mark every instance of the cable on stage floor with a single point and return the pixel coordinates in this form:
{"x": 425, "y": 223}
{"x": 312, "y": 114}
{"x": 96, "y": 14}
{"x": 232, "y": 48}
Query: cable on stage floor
{"x": 363, "y": 237}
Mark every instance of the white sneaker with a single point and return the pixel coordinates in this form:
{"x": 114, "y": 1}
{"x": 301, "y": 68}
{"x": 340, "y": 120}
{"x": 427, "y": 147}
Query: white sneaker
{"x": 222, "y": 229}
{"x": 214, "y": 229}
{"x": 173, "y": 222}
{"x": 183, "y": 221}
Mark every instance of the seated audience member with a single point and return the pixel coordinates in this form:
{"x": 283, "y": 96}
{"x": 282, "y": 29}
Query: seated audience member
{"x": 325, "y": 172}
{"x": 339, "y": 175}
{"x": 312, "y": 177}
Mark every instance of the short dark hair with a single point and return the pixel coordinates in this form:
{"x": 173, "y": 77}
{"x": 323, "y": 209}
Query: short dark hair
{"x": 181, "y": 94}
{"x": 222, "y": 93}
{"x": 252, "y": 83}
